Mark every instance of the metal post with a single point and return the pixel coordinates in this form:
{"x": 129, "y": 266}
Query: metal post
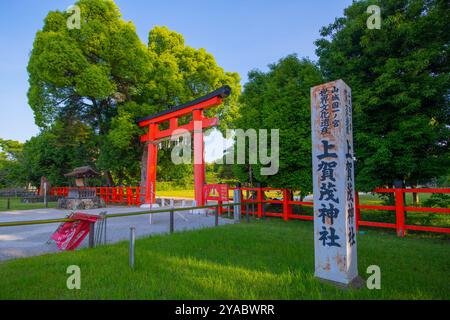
{"x": 216, "y": 216}
{"x": 237, "y": 199}
{"x": 132, "y": 241}
{"x": 91, "y": 234}
{"x": 8, "y": 204}
{"x": 171, "y": 221}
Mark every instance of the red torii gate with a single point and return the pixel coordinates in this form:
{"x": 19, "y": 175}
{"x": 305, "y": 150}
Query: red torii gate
{"x": 196, "y": 125}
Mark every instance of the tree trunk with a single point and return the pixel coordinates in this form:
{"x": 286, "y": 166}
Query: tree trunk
{"x": 416, "y": 199}
{"x": 109, "y": 179}
{"x": 120, "y": 179}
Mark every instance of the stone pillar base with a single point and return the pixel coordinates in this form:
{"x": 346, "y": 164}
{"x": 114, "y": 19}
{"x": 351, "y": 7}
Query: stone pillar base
{"x": 356, "y": 283}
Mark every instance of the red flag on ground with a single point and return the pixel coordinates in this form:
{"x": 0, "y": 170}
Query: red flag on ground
{"x": 69, "y": 235}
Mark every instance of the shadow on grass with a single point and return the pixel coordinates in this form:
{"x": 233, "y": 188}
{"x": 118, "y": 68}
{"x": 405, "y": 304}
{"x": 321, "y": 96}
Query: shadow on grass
{"x": 261, "y": 260}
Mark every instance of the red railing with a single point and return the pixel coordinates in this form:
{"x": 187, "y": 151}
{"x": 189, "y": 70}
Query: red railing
{"x": 400, "y": 208}
{"x": 130, "y": 196}
{"x": 255, "y": 197}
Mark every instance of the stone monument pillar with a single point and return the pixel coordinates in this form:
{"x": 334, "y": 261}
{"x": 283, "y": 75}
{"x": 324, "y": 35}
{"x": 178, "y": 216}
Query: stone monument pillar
{"x": 333, "y": 183}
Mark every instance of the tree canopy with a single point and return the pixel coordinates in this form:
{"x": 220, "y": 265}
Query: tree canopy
{"x": 11, "y": 155}
{"x": 57, "y": 150}
{"x": 400, "y": 82}
{"x": 88, "y": 86}
{"x": 280, "y": 99}
{"x": 102, "y": 76}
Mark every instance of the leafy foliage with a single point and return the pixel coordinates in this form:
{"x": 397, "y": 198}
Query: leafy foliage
{"x": 438, "y": 200}
{"x": 57, "y": 150}
{"x": 400, "y": 79}
{"x": 10, "y": 167}
{"x": 104, "y": 77}
{"x": 280, "y": 99}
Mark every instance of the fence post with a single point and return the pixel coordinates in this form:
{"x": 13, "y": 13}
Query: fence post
{"x": 237, "y": 198}
{"x": 171, "y": 221}
{"x": 128, "y": 193}
{"x": 216, "y": 216}
{"x": 241, "y": 196}
{"x": 91, "y": 234}
{"x": 399, "y": 212}
{"x": 285, "y": 205}
{"x": 8, "y": 204}
{"x": 219, "y": 205}
{"x": 357, "y": 211}
{"x": 138, "y": 196}
{"x": 259, "y": 197}
{"x": 121, "y": 194}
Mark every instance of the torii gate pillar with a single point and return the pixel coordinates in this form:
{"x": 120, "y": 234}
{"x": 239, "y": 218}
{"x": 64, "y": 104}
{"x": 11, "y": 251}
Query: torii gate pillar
{"x": 152, "y": 160}
{"x": 199, "y": 157}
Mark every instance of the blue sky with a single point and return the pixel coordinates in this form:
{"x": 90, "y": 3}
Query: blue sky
{"x": 241, "y": 34}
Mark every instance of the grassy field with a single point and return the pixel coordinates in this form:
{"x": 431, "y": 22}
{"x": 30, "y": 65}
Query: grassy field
{"x": 16, "y": 204}
{"x": 177, "y": 193}
{"x": 261, "y": 260}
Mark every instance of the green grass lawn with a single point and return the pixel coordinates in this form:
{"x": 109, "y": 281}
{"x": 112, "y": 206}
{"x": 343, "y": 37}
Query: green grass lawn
{"x": 190, "y": 194}
{"x": 16, "y": 204}
{"x": 261, "y": 260}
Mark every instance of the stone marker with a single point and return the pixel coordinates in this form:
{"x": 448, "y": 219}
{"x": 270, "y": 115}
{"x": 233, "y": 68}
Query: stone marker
{"x": 333, "y": 183}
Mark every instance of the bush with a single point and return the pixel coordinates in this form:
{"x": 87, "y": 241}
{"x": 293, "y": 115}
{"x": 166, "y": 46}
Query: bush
{"x": 438, "y": 200}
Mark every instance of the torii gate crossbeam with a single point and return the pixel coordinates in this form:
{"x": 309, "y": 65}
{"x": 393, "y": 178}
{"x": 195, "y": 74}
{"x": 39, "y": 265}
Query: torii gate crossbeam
{"x": 155, "y": 135}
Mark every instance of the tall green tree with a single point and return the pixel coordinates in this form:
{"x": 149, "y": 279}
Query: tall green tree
{"x": 85, "y": 74}
{"x": 280, "y": 99}
{"x": 400, "y": 80}
{"x": 57, "y": 150}
{"x": 104, "y": 76}
{"x": 11, "y": 152}
{"x": 180, "y": 73}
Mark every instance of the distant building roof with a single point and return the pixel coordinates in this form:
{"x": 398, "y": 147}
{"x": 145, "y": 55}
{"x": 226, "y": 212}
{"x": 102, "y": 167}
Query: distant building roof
{"x": 82, "y": 172}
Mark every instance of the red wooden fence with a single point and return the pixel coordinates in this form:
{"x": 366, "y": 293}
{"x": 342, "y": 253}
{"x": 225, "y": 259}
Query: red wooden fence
{"x": 115, "y": 195}
{"x": 132, "y": 196}
{"x": 400, "y": 208}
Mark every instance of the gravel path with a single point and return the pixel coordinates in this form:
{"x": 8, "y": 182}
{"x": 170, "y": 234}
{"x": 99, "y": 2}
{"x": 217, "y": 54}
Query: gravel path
{"x": 24, "y": 241}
